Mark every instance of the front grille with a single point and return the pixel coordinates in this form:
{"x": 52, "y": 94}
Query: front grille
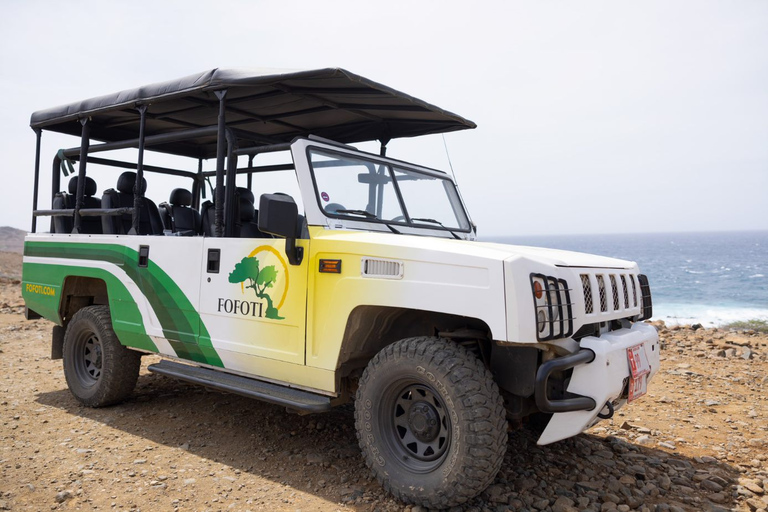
{"x": 623, "y": 296}
{"x": 634, "y": 290}
{"x": 626, "y": 292}
{"x": 615, "y": 291}
{"x": 603, "y": 298}
{"x": 645, "y": 290}
{"x": 587, "y": 286}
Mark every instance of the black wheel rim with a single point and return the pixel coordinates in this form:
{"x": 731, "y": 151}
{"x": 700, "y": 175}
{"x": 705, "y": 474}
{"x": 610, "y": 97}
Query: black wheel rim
{"x": 88, "y": 358}
{"x": 420, "y": 425}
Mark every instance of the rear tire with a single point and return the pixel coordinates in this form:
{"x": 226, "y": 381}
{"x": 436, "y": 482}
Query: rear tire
{"x": 98, "y": 369}
{"x": 430, "y": 422}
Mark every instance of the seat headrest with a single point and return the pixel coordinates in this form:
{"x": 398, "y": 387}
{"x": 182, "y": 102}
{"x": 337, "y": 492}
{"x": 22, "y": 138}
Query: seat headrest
{"x": 247, "y": 210}
{"x": 240, "y": 191}
{"x": 245, "y": 193}
{"x": 126, "y": 181}
{"x": 90, "y": 186}
{"x": 180, "y": 197}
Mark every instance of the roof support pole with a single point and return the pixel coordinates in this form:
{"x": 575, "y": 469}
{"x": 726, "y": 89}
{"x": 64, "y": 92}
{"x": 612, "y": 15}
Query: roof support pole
{"x": 138, "y": 189}
{"x": 199, "y": 187}
{"x": 85, "y": 141}
{"x": 218, "y": 199}
{"x": 383, "y": 149}
{"x": 229, "y": 200}
{"x": 38, "y": 134}
{"x": 250, "y": 174}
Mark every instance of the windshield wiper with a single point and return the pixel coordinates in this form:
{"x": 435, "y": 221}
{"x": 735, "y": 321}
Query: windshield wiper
{"x": 369, "y": 215}
{"x": 433, "y": 221}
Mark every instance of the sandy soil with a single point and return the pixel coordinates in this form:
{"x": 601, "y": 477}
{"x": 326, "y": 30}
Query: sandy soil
{"x": 697, "y": 441}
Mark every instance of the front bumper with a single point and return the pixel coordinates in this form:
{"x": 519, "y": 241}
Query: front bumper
{"x": 603, "y": 379}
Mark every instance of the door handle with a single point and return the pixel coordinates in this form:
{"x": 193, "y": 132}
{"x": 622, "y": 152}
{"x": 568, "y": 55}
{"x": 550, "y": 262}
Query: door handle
{"x": 214, "y": 258}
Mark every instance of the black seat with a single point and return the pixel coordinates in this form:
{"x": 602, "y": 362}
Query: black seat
{"x": 149, "y": 218}
{"x": 248, "y": 226}
{"x": 177, "y": 215}
{"x": 66, "y": 201}
{"x": 209, "y": 216}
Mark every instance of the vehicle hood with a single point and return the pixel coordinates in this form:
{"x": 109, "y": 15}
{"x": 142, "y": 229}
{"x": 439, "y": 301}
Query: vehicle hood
{"x": 484, "y": 250}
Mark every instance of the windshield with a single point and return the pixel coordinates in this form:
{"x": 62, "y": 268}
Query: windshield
{"x": 363, "y": 189}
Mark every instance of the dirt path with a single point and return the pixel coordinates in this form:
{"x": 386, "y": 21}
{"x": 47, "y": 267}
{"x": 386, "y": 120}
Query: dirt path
{"x": 698, "y": 441}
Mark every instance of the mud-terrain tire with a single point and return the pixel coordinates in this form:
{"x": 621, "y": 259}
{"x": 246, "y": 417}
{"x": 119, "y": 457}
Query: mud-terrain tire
{"x": 430, "y": 422}
{"x": 99, "y": 370}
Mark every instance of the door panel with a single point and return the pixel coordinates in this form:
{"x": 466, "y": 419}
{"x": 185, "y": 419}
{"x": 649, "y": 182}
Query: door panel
{"x": 169, "y": 277}
{"x": 255, "y": 302}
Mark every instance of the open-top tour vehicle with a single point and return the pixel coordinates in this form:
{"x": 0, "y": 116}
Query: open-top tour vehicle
{"x": 365, "y": 284}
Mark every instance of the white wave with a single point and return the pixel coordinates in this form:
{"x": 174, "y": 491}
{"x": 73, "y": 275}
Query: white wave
{"x": 704, "y": 314}
{"x": 754, "y": 276}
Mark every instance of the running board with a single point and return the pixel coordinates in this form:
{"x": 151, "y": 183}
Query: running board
{"x": 304, "y": 401}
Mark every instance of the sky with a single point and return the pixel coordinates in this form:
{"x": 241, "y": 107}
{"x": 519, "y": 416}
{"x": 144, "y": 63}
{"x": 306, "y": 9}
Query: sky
{"x": 593, "y": 117}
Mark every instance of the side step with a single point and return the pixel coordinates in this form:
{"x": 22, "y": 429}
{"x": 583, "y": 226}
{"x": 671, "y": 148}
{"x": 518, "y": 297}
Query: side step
{"x": 273, "y": 393}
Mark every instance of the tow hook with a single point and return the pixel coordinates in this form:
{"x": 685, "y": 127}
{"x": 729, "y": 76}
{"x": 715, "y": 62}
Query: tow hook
{"x": 573, "y": 403}
{"x": 607, "y": 416}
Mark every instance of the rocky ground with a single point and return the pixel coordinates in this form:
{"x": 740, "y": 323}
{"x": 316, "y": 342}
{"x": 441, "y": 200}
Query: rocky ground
{"x": 697, "y": 441}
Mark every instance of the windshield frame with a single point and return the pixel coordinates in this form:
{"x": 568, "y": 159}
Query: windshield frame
{"x": 392, "y": 166}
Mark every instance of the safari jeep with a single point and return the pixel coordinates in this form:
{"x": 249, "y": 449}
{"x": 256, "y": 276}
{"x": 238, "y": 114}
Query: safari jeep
{"x": 287, "y": 265}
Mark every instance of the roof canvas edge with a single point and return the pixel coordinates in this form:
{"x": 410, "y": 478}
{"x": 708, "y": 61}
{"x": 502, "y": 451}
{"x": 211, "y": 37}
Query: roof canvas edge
{"x": 393, "y": 111}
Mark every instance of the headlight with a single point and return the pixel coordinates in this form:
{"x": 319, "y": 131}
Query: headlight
{"x": 552, "y": 304}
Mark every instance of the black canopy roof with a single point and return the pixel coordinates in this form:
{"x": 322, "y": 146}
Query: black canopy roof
{"x": 262, "y": 106}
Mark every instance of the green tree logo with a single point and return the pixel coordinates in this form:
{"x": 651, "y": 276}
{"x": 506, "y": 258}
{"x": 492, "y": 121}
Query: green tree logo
{"x": 259, "y": 279}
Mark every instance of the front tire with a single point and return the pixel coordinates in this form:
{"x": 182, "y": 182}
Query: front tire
{"x": 98, "y": 369}
{"x": 430, "y": 422}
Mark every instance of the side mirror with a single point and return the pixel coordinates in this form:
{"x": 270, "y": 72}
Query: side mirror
{"x": 279, "y": 215}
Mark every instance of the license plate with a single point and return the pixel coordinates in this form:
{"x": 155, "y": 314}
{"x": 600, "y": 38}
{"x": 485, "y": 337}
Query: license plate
{"x": 639, "y": 369}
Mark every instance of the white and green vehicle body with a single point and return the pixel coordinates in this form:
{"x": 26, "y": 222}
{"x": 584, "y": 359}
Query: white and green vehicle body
{"x": 300, "y": 306}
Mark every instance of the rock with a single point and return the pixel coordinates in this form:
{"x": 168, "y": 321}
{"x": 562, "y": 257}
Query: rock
{"x": 563, "y": 504}
{"x": 746, "y": 353}
{"x": 644, "y": 440}
{"x": 752, "y": 486}
{"x": 189, "y": 481}
{"x": 755, "y": 504}
{"x": 4, "y": 505}
{"x": 756, "y": 442}
{"x": 541, "y": 504}
{"x": 497, "y": 494}
{"x": 668, "y": 444}
{"x": 315, "y": 458}
{"x": 710, "y": 403}
{"x": 717, "y": 497}
{"x": 696, "y": 327}
{"x": 711, "y": 486}
{"x": 63, "y": 496}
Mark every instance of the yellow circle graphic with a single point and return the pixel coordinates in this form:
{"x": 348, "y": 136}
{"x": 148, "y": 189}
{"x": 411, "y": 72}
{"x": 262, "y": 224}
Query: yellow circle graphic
{"x": 276, "y": 253}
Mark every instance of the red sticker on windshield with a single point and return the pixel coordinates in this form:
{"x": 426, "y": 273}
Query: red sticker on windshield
{"x": 324, "y": 196}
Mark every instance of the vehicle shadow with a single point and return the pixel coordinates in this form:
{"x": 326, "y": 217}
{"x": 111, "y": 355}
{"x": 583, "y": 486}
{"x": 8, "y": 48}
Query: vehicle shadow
{"x": 319, "y": 455}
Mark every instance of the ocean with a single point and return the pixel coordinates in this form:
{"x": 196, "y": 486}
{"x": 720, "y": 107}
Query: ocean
{"x": 707, "y": 278}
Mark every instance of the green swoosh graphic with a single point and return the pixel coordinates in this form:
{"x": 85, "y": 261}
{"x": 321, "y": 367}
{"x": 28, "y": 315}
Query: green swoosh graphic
{"x": 179, "y": 320}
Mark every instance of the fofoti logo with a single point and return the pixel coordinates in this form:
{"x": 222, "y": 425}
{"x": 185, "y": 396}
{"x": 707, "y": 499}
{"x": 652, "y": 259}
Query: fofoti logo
{"x": 265, "y": 272}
